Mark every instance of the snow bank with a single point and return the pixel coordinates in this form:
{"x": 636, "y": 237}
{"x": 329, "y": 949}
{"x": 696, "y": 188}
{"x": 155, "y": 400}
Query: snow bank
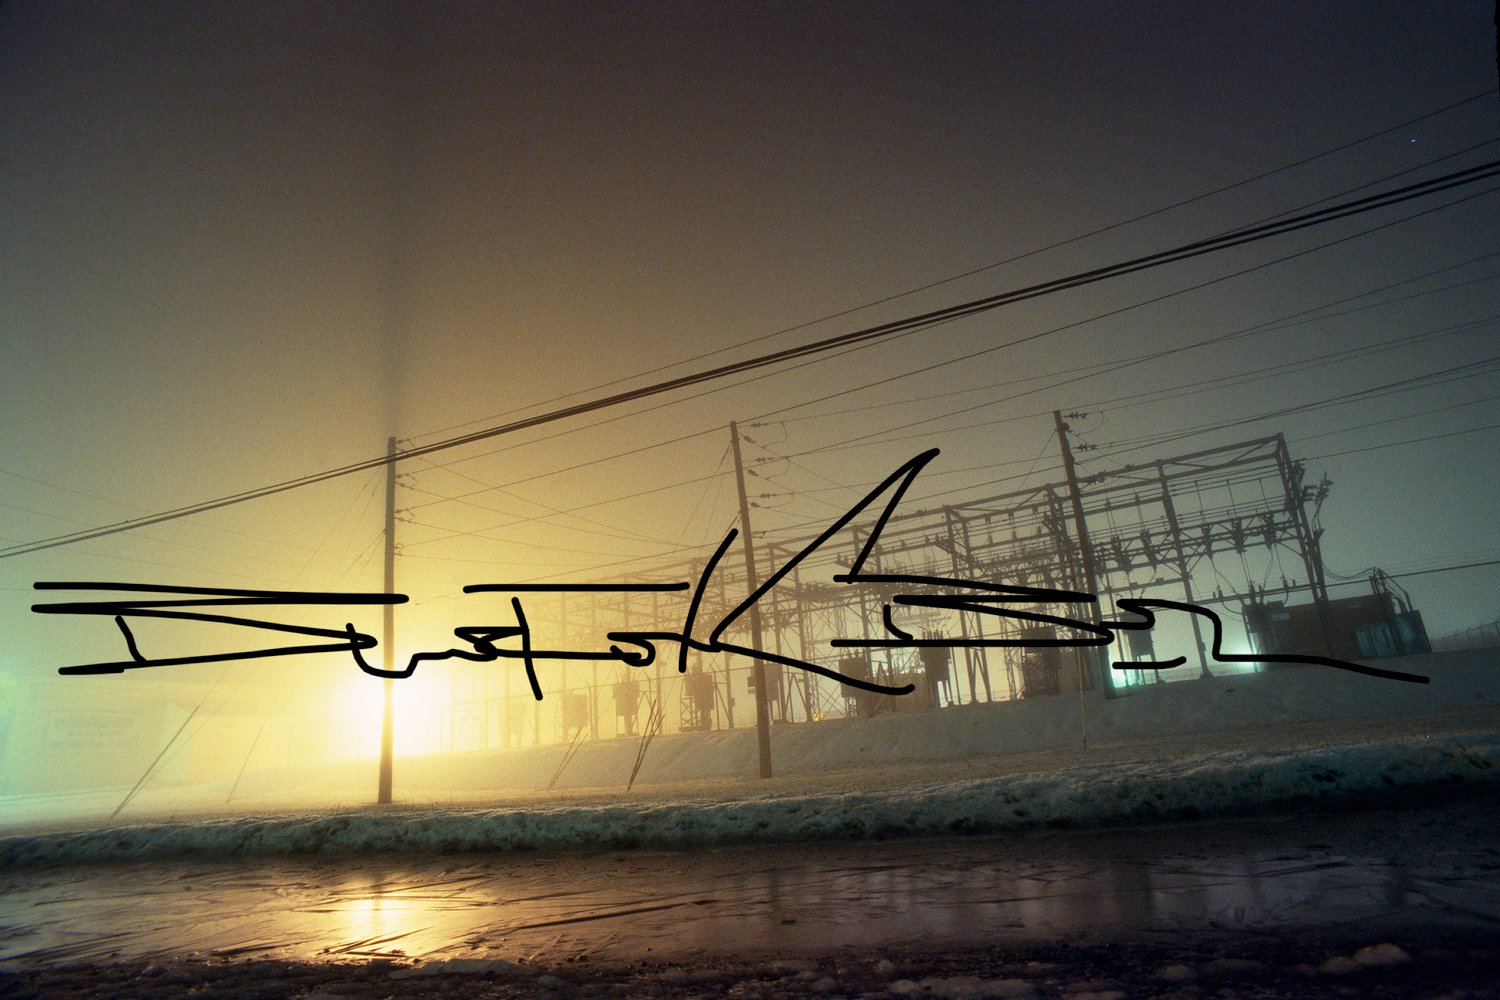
{"x": 1221, "y": 784}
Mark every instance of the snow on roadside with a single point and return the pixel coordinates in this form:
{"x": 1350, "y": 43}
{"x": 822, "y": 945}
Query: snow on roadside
{"x": 1089, "y": 795}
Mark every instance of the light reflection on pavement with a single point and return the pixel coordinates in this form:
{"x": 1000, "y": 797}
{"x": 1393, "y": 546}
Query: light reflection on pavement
{"x": 1427, "y": 868}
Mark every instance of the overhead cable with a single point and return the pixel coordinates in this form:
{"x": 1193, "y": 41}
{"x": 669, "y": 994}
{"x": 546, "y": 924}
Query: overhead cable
{"x": 1223, "y": 241}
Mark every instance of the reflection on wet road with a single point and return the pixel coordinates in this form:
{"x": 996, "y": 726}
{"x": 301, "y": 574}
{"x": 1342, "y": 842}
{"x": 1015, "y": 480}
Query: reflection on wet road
{"x": 1421, "y": 868}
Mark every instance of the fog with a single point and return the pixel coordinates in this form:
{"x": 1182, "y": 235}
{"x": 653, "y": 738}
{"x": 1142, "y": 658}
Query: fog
{"x": 246, "y": 244}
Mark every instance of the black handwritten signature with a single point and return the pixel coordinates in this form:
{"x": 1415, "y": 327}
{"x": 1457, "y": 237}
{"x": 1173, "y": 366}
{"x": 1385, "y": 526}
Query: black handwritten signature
{"x": 639, "y": 648}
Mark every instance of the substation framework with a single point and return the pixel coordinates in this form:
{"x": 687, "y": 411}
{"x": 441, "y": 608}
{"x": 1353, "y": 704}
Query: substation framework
{"x": 1215, "y": 527}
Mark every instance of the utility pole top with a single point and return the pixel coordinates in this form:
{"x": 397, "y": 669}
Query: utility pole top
{"x": 1085, "y": 549}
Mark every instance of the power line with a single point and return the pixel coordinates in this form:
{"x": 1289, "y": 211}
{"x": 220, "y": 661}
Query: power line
{"x": 599, "y": 527}
{"x": 1094, "y": 371}
{"x": 1235, "y": 379}
{"x": 613, "y": 456}
{"x": 541, "y": 517}
{"x": 1470, "y": 369}
{"x": 1214, "y": 244}
{"x": 1397, "y": 444}
{"x": 1485, "y": 95}
{"x": 1443, "y": 569}
{"x": 1155, "y": 396}
{"x": 1289, "y": 321}
{"x": 1304, "y": 438}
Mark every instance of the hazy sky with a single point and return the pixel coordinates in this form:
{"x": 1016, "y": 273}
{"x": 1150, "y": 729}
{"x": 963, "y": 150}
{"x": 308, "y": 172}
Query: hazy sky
{"x": 244, "y": 242}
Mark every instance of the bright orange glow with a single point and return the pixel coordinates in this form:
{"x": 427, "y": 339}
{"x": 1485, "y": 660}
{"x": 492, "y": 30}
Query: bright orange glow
{"x": 421, "y": 702}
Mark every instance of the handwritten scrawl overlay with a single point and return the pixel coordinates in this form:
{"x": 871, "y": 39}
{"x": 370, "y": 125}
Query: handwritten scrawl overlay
{"x": 513, "y": 640}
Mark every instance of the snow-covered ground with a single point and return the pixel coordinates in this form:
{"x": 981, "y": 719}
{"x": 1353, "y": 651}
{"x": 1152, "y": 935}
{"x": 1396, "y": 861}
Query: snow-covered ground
{"x": 1088, "y": 795}
{"x": 1199, "y": 748}
{"x": 1112, "y": 898}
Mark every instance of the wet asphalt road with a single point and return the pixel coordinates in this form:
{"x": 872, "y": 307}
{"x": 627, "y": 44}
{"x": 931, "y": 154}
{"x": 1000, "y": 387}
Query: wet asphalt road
{"x": 1414, "y": 875}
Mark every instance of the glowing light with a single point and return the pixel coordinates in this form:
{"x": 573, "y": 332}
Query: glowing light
{"x": 422, "y": 703}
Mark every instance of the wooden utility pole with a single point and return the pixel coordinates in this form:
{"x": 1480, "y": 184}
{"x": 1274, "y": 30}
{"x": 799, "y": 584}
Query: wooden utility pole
{"x": 752, "y": 582}
{"x": 388, "y": 640}
{"x": 1086, "y": 554}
